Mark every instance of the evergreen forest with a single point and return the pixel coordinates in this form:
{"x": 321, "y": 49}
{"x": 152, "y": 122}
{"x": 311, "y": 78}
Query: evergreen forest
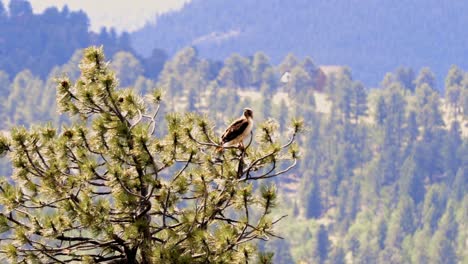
{"x": 371, "y": 37}
{"x": 382, "y": 174}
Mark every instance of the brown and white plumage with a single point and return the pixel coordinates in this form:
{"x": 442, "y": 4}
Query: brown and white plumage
{"x": 238, "y": 130}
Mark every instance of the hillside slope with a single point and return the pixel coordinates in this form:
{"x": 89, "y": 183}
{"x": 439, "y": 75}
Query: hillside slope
{"x": 372, "y": 37}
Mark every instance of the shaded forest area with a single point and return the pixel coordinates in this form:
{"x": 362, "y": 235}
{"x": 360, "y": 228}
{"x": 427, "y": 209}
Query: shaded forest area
{"x": 39, "y": 42}
{"x": 383, "y": 172}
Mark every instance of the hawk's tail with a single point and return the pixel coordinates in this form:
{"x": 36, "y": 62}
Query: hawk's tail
{"x": 219, "y": 149}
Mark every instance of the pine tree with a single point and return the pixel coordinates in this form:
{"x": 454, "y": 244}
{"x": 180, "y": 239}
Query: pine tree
{"x": 288, "y": 63}
{"x": 433, "y": 207}
{"x": 401, "y": 223}
{"x": 411, "y": 182}
{"x": 337, "y": 256}
{"x": 420, "y": 250}
{"x": 380, "y": 112}
{"x": 299, "y": 82}
{"x": 313, "y": 201}
{"x": 460, "y": 183}
{"x": 406, "y": 77}
{"x": 441, "y": 249}
{"x": 323, "y": 243}
{"x": 260, "y": 64}
{"x": 453, "y": 88}
{"x": 412, "y": 129}
{"x": 126, "y": 67}
{"x": 236, "y": 72}
{"x": 425, "y": 77}
{"x": 269, "y": 81}
{"x": 106, "y": 189}
{"x": 452, "y": 141}
{"x": 281, "y": 250}
{"x": 358, "y": 101}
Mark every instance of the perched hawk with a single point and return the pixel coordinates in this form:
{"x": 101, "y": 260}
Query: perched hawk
{"x": 237, "y": 131}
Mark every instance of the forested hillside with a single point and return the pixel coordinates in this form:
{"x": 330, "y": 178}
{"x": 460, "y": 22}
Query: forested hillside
{"x": 39, "y": 42}
{"x": 369, "y": 36}
{"x": 383, "y": 173}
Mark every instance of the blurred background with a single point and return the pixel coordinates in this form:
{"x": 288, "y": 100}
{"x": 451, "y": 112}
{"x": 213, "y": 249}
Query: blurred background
{"x": 382, "y": 86}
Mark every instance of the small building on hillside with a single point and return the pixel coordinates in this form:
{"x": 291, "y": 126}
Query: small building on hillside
{"x": 326, "y": 71}
{"x": 285, "y": 78}
{"x": 319, "y": 79}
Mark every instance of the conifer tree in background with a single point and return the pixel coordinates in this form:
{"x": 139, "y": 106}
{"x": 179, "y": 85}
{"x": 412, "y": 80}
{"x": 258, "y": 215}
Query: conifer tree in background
{"x": 106, "y": 189}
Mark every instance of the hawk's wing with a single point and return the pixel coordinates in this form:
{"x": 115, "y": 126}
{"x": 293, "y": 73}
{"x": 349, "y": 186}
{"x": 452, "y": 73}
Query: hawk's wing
{"x": 235, "y": 130}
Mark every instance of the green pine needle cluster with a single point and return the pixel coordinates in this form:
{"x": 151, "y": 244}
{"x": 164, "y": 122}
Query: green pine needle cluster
{"x": 108, "y": 189}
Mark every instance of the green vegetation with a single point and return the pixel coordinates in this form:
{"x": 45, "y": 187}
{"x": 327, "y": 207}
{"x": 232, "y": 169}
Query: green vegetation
{"x": 383, "y": 172}
{"x": 39, "y": 42}
{"x": 106, "y": 188}
{"x": 372, "y": 37}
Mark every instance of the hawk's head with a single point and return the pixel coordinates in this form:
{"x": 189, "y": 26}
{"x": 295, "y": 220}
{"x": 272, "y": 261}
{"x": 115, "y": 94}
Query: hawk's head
{"x": 248, "y": 113}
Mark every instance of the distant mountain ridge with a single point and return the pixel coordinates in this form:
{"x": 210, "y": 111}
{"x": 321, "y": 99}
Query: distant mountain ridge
{"x": 372, "y": 37}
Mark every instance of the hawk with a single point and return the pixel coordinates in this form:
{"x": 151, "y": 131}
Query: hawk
{"x": 237, "y": 131}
